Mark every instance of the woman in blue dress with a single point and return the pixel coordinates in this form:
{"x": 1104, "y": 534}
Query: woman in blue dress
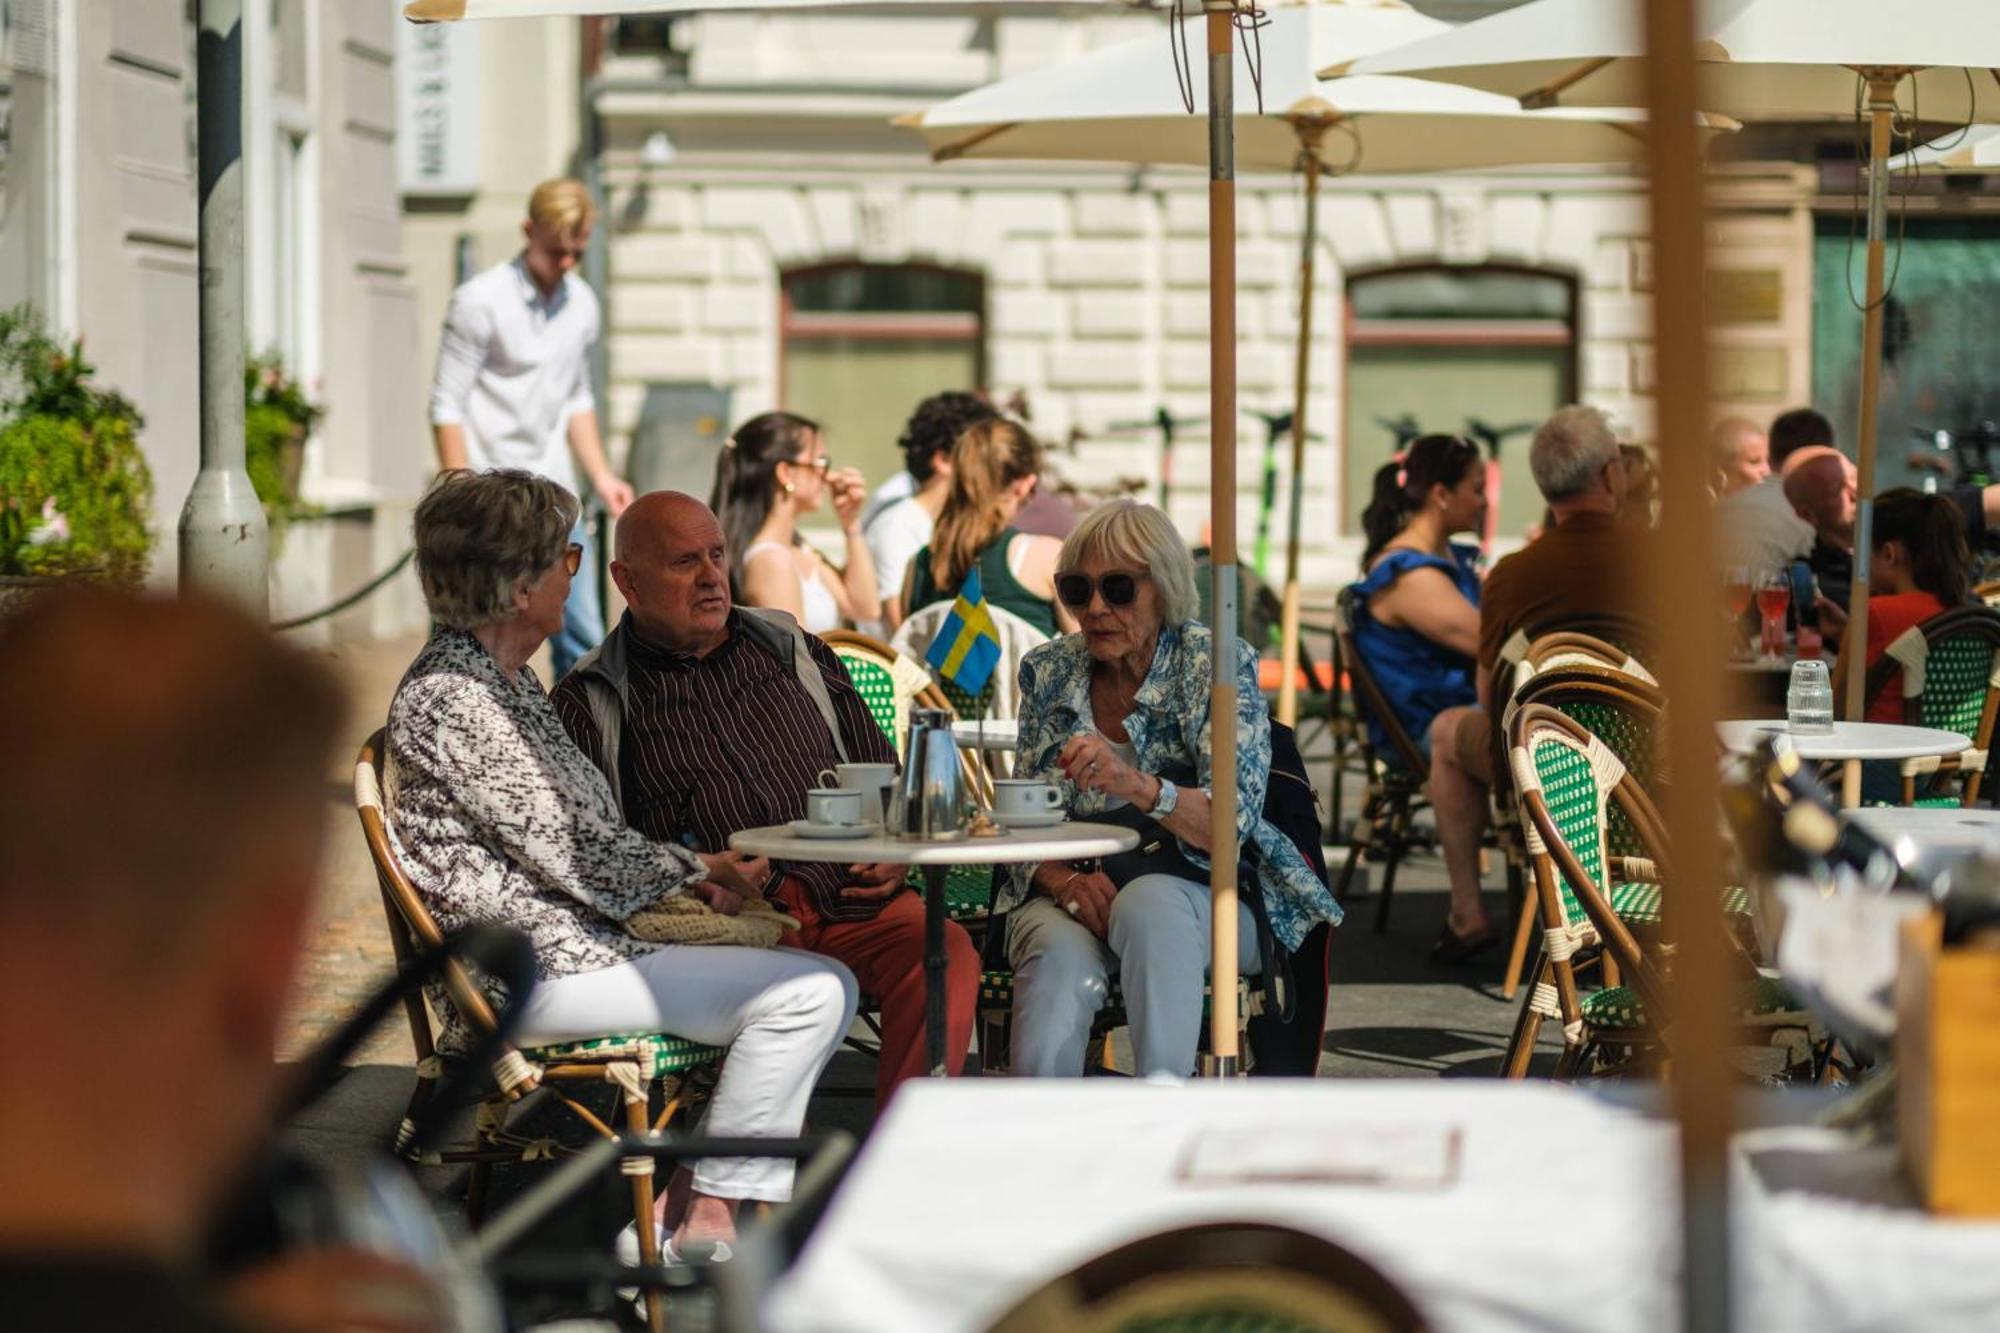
{"x": 1417, "y": 626}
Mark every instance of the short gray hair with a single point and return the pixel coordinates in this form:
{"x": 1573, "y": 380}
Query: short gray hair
{"x": 1127, "y": 532}
{"x": 1570, "y": 450}
{"x": 480, "y": 534}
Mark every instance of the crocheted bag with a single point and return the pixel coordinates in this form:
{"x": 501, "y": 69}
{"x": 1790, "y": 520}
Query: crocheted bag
{"x": 684, "y": 919}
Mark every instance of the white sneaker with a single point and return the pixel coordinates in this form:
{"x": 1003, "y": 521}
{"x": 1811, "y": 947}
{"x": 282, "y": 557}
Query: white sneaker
{"x": 626, "y": 1247}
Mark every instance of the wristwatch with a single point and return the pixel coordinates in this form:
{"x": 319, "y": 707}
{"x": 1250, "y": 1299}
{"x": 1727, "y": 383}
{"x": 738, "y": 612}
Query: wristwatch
{"x": 1164, "y": 803}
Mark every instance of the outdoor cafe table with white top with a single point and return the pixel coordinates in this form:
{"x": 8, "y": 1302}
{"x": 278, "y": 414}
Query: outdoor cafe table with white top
{"x": 1497, "y": 1207}
{"x": 1853, "y": 742}
{"x": 1068, "y": 841}
{"x": 1929, "y": 830}
{"x": 1003, "y": 734}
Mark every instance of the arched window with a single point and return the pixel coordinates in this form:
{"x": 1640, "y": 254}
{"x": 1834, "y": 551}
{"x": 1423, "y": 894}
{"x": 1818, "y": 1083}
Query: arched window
{"x": 864, "y": 343}
{"x": 1486, "y": 352}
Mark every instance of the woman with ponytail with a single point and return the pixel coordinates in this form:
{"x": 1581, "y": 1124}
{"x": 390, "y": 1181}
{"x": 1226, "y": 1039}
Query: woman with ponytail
{"x": 993, "y": 469}
{"x": 770, "y": 471}
{"x": 1919, "y": 567}
{"x": 1416, "y": 625}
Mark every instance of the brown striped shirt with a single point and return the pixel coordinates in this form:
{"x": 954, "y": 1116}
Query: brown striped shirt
{"x": 717, "y": 744}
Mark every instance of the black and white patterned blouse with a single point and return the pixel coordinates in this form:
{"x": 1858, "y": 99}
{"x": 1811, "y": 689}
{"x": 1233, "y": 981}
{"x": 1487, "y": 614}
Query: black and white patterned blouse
{"x": 496, "y": 816}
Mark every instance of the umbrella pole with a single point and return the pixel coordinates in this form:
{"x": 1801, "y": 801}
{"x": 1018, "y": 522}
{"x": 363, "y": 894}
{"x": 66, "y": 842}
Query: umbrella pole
{"x": 1881, "y": 109}
{"x": 1288, "y": 632}
{"x": 1224, "y": 1059}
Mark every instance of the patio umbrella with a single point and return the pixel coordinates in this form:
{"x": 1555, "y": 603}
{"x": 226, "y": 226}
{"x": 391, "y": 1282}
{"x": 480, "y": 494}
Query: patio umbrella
{"x": 448, "y": 11}
{"x": 1785, "y": 60}
{"x": 1124, "y": 103}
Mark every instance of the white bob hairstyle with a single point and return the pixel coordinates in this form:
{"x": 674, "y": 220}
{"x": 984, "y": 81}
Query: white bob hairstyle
{"x": 1138, "y": 537}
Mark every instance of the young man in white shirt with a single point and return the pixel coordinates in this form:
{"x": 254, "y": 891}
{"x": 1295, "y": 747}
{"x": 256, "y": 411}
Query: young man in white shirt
{"x": 513, "y": 382}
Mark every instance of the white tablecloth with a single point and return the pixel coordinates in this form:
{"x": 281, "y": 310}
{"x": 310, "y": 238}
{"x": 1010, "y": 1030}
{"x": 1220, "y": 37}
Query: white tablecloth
{"x": 970, "y": 1194}
{"x": 1831, "y": 1240}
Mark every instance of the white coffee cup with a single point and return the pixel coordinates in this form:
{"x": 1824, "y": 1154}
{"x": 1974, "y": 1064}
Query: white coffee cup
{"x": 873, "y": 781}
{"x": 1025, "y": 796}
{"x": 833, "y": 805}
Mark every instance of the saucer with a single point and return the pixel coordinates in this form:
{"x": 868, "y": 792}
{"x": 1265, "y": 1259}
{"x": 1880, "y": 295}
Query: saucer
{"x": 1039, "y": 819}
{"x": 805, "y": 828}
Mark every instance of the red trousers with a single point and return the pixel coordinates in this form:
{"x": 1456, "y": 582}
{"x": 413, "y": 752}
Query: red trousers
{"x": 886, "y": 955}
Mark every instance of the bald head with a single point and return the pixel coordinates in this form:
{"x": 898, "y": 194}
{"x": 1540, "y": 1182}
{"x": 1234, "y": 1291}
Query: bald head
{"x": 1821, "y": 491}
{"x": 672, "y": 566}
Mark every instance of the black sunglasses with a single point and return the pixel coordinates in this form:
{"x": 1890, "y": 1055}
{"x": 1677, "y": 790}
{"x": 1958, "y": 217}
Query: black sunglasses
{"x": 1120, "y": 589}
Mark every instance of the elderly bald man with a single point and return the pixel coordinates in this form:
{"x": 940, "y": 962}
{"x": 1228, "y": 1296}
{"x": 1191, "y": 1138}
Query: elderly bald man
{"x": 710, "y": 718}
{"x": 1821, "y": 491}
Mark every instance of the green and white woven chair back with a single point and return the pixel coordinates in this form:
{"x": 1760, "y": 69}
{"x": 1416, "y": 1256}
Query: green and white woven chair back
{"x": 877, "y": 688}
{"x": 1575, "y": 781}
{"x": 1632, "y": 740}
{"x": 1958, "y": 673}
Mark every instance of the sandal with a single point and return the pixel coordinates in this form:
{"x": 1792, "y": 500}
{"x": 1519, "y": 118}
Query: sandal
{"x": 1452, "y": 947}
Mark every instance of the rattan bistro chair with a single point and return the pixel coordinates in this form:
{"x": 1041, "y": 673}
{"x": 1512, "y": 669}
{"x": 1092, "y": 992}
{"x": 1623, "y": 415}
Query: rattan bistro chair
{"x": 1951, "y": 680}
{"x": 1396, "y": 780}
{"x": 1567, "y": 778}
{"x": 632, "y": 1062}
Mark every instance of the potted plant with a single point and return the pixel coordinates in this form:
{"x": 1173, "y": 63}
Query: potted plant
{"x": 278, "y": 418}
{"x": 75, "y": 491}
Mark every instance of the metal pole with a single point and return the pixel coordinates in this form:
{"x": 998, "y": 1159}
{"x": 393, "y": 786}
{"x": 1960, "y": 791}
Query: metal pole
{"x": 1224, "y": 1059}
{"x": 1881, "y": 109}
{"x": 1288, "y": 626}
{"x": 1690, "y": 656}
{"x": 224, "y": 543}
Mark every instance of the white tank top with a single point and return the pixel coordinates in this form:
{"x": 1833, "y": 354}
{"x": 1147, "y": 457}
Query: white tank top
{"x": 819, "y": 612}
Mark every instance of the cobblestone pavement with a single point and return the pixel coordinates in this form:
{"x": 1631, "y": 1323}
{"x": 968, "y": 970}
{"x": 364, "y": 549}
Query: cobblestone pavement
{"x": 348, "y": 950}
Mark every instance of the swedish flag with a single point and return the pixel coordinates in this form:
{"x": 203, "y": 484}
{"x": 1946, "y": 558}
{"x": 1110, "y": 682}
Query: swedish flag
{"x": 966, "y": 647}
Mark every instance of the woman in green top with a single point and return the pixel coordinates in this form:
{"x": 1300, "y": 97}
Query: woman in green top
{"x": 993, "y": 467}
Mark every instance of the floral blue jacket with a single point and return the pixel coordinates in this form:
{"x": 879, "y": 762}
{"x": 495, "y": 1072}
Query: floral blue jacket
{"x": 1169, "y": 724}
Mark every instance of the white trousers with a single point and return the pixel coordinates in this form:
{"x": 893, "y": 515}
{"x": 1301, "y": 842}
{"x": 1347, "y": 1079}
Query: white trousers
{"x": 780, "y": 1012}
{"x": 1158, "y": 948}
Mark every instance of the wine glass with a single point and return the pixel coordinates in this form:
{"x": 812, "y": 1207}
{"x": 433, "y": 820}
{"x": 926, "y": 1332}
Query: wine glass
{"x": 1736, "y": 601}
{"x": 1774, "y": 594}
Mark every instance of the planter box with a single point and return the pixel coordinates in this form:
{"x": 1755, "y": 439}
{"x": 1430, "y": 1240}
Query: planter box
{"x": 1948, "y": 1070}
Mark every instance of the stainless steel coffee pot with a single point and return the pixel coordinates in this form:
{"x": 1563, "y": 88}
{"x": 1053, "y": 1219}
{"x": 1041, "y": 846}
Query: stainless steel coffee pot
{"x": 929, "y": 803}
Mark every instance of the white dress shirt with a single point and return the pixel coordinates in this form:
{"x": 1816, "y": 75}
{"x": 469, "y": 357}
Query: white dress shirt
{"x": 894, "y": 538}
{"x": 514, "y": 367}
{"x": 1758, "y": 529}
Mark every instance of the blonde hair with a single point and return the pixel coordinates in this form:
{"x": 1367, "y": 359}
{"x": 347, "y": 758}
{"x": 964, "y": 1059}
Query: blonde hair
{"x": 988, "y": 458}
{"x": 562, "y": 205}
{"x": 1125, "y": 532}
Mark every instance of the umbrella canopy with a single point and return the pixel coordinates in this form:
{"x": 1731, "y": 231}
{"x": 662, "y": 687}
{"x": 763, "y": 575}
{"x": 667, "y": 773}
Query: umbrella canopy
{"x": 1977, "y": 151}
{"x": 1124, "y": 103}
{"x": 448, "y": 11}
{"x": 1762, "y": 59}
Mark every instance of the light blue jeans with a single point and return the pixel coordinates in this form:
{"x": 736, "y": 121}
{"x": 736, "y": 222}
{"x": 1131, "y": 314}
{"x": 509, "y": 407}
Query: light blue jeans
{"x": 1158, "y": 948}
{"x": 583, "y": 622}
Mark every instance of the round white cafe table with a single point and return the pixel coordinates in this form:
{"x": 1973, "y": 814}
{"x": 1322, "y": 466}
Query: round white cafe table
{"x": 1853, "y": 742}
{"x": 1002, "y": 734}
{"x": 1072, "y": 840}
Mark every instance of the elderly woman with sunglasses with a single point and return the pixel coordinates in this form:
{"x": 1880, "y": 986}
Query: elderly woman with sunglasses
{"x": 497, "y": 816}
{"x": 1118, "y": 716}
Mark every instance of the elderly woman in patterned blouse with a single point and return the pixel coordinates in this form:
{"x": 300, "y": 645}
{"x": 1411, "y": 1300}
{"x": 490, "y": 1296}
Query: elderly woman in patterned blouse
{"x": 497, "y": 816}
{"x": 1106, "y": 714}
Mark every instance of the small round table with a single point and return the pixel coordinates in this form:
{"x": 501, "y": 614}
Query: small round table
{"x": 1849, "y": 741}
{"x": 1069, "y": 841}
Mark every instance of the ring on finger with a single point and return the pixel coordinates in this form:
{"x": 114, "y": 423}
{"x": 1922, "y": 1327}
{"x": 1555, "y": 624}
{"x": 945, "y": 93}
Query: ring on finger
{"x": 1070, "y": 906}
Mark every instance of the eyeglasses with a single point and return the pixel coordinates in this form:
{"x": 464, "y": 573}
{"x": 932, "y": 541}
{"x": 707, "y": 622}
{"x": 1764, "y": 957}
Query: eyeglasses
{"x": 1119, "y": 588}
{"x": 573, "y": 558}
{"x": 820, "y": 464}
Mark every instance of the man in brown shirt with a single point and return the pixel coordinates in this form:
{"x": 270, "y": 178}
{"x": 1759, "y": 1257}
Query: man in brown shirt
{"x": 1587, "y": 563}
{"x": 710, "y": 718}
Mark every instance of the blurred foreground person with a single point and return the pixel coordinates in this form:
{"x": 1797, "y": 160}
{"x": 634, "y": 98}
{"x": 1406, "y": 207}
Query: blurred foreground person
{"x": 161, "y": 804}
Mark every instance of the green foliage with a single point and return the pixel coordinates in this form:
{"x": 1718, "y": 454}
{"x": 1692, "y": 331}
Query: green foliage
{"x": 267, "y": 384}
{"x": 75, "y": 491}
{"x": 277, "y": 417}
